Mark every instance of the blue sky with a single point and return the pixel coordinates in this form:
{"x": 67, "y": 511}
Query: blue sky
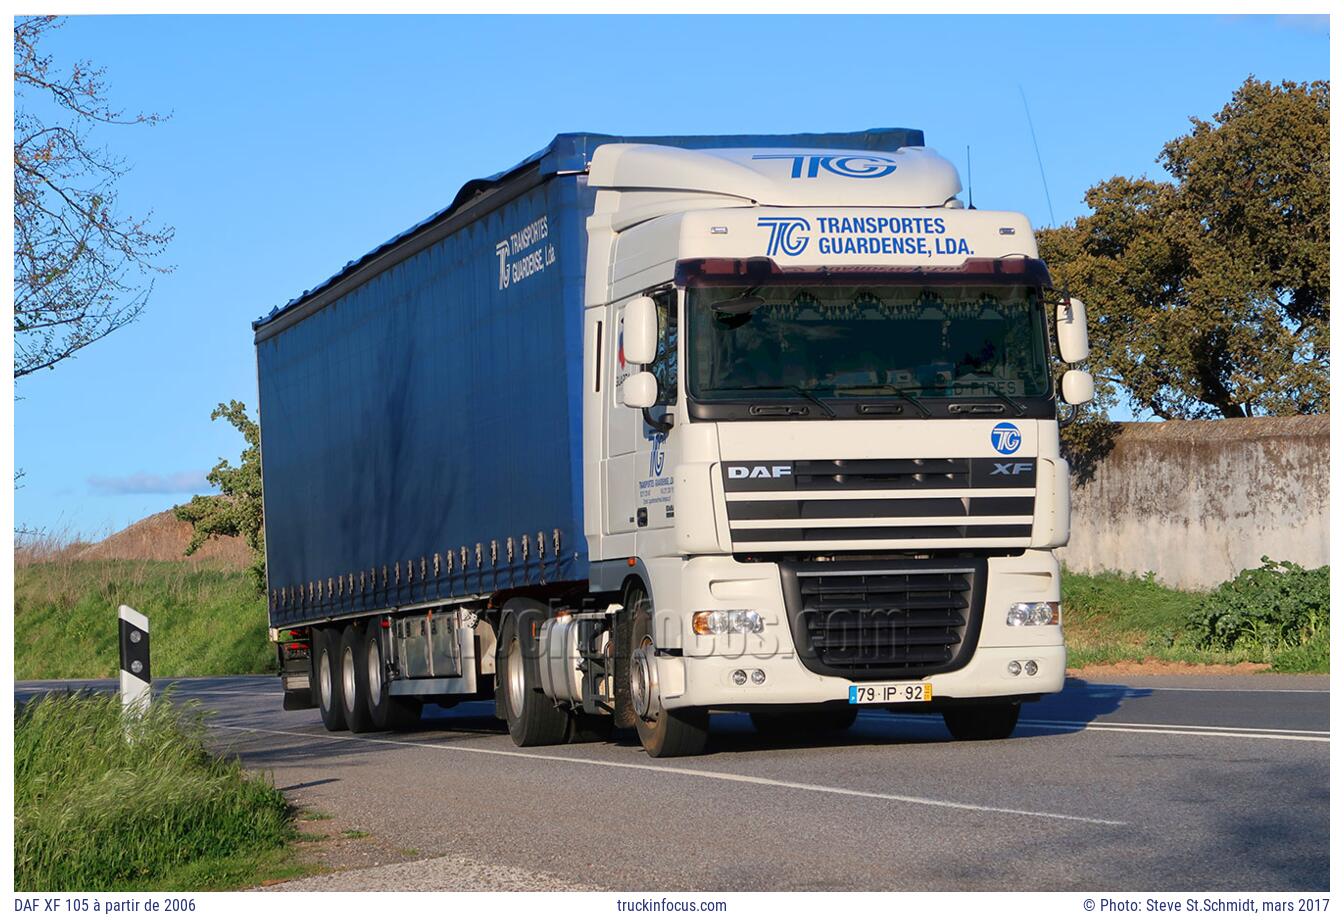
{"x": 298, "y": 143}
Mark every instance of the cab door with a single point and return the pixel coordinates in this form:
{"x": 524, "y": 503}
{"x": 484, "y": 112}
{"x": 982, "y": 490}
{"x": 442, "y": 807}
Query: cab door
{"x": 639, "y": 480}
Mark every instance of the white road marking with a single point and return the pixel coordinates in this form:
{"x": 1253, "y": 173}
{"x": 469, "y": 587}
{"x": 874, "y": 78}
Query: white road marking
{"x": 1149, "y": 728}
{"x": 684, "y": 771}
{"x": 187, "y": 691}
{"x": 1215, "y": 728}
{"x": 1267, "y": 735}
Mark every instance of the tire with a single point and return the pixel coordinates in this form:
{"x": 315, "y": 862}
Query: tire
{"x": 533, "y": 719}
{"x": 985, "y": 722}
{"x": 805, "y": 724}
{"x": 387, "y": 713}
{"x": 662, "y": 732}
{"x": 624, "y": 715}
{"x": 353, "y": 672}
{"x": 326, "y": 678}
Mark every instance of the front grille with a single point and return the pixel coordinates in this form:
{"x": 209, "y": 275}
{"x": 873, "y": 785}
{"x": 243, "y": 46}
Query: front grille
{"x": 858, "y": 504}
{"x": 907, "y": 620}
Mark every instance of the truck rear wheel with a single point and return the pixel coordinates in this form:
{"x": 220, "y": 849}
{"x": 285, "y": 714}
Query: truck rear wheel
{"x": 663, "y": 732}
{"x": 354, "y": 680}
{"x": 802, "y": 724}
{"x": 326, "y": 675}
{"x": 388, "y": 713}
{"x": 983, "y": 722}
{"x": 532, "y": 718}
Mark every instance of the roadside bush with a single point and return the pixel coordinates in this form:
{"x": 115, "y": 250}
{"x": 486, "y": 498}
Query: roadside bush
{"x": 96, "y": 810}
{"x": 1279, "y": 605}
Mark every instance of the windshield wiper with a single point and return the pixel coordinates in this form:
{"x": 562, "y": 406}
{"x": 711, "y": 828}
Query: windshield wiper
{"x": 903, "y": 392}
{"x": 806, "y": 394}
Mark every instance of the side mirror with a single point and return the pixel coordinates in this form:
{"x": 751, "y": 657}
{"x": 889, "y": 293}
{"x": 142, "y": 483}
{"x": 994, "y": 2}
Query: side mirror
{"x": 1071, "y": 325}
{"x": 640, "y": 331}
{"x": 640, "y": 391}
{"x": 1078, "y": 388}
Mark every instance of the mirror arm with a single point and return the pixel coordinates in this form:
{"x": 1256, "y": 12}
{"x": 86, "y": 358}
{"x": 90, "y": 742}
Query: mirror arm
{"x": 663, "y": 425}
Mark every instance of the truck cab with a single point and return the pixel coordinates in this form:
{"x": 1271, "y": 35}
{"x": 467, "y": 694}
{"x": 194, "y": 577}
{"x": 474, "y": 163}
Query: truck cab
{"x": 821, "y": 445}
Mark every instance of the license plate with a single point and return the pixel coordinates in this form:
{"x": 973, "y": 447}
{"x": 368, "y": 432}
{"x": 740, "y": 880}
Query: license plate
{"x": 890, "y": 693}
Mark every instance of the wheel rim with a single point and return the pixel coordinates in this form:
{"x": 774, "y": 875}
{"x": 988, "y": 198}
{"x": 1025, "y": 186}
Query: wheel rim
{"x": 324, "y": 679}
{"x": 348, "y": 676}
{"x": 644, "y": 681}
{"x": 375, "y": 672}
{"x": 517, "y": 686}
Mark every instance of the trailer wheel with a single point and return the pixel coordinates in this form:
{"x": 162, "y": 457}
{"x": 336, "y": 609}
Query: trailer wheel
{"x": 801, "y": 724}
{"x": 326, "y": 650}
{"x": 985, "y": 722}
{"x": 388, "y": 712}
{"x": 533, "y": 719}
{"x": 354, "y": 680}
{"x": 663, "y": 732}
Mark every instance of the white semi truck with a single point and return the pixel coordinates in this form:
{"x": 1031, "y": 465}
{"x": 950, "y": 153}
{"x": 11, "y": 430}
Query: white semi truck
{"x": 647, "y": 428}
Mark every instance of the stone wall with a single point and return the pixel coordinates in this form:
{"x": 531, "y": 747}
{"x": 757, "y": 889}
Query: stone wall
{"x": 1198, "y": 501}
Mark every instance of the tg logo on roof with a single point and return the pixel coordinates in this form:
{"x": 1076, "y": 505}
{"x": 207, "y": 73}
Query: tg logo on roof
{"x": 850, "y": 166}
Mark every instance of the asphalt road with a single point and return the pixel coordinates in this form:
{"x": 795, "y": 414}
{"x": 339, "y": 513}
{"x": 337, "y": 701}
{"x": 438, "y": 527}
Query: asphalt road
{"x": 1176, "y": 783}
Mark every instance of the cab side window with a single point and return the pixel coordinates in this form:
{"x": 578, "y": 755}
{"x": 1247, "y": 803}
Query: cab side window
{"x": 664, "y": 366}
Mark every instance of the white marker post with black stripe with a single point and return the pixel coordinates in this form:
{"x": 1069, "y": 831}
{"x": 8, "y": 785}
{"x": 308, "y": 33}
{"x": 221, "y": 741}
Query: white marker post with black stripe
{"x": 134, "y": 660}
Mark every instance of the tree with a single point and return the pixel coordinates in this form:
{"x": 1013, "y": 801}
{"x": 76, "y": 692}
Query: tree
{"x": 80, "y": 267}
{"x": 1209, "y": 293}
{"x": 236, "y": 511}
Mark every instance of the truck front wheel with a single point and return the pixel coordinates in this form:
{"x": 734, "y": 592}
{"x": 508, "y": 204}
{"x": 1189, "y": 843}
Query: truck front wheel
{"x": 326, "y": 674}
{"x": 663, "y": 732}
{"x": 982, "y": 722}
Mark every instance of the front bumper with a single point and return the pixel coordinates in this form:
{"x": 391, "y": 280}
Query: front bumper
{"x": 708, "y": 682}
{"x": 702, "y": 675}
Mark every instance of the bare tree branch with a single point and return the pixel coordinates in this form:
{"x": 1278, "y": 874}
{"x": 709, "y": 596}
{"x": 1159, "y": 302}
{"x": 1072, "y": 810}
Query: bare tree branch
{"x": 82, "y": 270}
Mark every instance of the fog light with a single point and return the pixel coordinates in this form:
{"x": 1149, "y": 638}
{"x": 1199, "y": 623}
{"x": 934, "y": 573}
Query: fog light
{"x": 757, "y": 676}
{"x": 1014, "y": 668}
{"x": 723, "y": 622}
{"x": 1031, "y": 669}
{"x": 739, "y": 677}
{"x": 1034, "y": 613}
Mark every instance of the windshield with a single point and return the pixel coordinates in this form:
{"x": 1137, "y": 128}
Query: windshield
{"x": 870, "y": 341}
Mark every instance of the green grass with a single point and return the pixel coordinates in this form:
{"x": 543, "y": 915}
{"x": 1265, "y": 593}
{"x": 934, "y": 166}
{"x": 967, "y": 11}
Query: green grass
{"x": 1111, "y": 618}
{"x": 204, "y": 619}
{"x": 100, "y": 807}
{"x": 208, "y": 621}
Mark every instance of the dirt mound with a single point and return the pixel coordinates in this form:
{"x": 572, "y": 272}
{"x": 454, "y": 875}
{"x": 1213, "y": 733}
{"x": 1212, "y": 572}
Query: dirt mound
{"x": 163, "y": 536}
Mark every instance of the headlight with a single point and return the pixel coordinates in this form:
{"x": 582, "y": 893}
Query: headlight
{"x": 1034, "y": 613}
{"x": 724, "y": 622}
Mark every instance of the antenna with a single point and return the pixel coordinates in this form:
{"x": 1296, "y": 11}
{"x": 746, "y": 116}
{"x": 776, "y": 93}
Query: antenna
{"x": 1039, "y": 163}
{"x": 970, "y": 191}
